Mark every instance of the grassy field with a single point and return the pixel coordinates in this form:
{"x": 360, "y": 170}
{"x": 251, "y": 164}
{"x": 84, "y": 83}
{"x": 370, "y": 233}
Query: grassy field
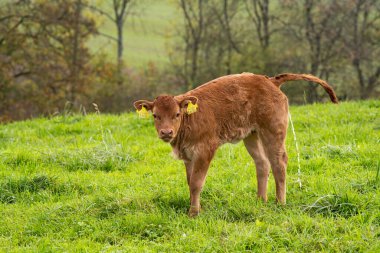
{"x": 103, "y": 183}
{"x": 147, "y": 30}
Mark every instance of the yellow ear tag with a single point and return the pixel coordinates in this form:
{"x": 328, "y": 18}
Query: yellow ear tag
{"x": 143, "y": 113}
{"x": 191, "y": 108}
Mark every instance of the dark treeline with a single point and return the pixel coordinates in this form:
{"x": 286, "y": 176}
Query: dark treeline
{"x": 46, "y": 66}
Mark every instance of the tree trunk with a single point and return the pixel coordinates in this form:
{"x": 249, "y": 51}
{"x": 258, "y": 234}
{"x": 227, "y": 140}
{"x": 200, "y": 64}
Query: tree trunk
{"x": 194, "y": 25}
{"x": 120, "y": 12}
{"x": 75, "y": 64}
{"x": 119, "y": 42}
{"x": 194, "y": 64}
{"x": 119, "y": 51}
{"x": 265, "y": 12}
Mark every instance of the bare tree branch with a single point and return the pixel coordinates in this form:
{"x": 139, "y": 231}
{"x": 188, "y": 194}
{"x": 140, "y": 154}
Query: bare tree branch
{"x": 94, "y": 8}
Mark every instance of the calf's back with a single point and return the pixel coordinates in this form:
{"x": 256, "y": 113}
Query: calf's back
{"x": 231, "y": 107}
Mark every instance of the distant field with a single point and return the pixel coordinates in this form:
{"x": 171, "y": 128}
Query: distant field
{"x": 146, "y": 32}
{"x": 103, "y": 183}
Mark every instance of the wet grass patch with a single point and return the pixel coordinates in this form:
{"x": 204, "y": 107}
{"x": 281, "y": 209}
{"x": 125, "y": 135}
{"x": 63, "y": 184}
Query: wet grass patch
{"x": 340, "y": 152}
{"x": 96, "y": 158}
{"x": 13, "y": 189}
{"x": 333, "y": 205}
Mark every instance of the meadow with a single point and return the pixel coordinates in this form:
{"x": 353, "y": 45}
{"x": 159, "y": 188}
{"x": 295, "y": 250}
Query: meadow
{"x": 106, "y": 183}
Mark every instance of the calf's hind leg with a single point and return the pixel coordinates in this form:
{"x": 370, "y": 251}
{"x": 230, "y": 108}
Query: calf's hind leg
{"x": 274, "y": 145}
{"x": 255, "y": 148}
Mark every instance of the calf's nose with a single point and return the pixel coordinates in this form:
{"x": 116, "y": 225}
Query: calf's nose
{"x": 166, "y": 132}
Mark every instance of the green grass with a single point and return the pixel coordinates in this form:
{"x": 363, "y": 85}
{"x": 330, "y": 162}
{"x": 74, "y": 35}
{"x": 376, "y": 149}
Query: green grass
{"x": 106, "y": 183}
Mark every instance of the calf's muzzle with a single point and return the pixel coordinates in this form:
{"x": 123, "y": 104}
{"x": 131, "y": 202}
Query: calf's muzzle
{"x": 166, "y": 134}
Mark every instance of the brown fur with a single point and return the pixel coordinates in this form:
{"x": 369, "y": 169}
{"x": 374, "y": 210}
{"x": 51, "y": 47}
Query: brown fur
{"x": 231, "y": 108}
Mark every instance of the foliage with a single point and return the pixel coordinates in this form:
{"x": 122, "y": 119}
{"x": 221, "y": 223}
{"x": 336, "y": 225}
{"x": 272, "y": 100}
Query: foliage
{"x": 44, "y": 56}
{"x": 335, "y": 40}
{"x": 147, "y": 82}
{"x": 51, "y": 55}
{"x": 107, "y": 183}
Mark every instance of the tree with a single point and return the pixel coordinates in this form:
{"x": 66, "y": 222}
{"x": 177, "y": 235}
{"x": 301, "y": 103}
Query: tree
{"x": 193, "y": 14}
{"x": 258, "y": 11}
{"x": 312, "y": 32}
{"x": 75, "y": 55}
{"x": 43, "y": 56}
{"x": 323, "y": 30}
{"x": 361, "y": 40}
{"x": 121, "y": 10}
{"x": 225, "y": 16}
{"x": 209, "y": 40}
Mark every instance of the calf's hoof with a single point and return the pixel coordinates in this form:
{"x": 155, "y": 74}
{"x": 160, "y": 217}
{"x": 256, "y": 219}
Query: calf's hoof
{"x": 194, "y": 211}
{"x": 281, "y": 202}
{"x": 262, "y": 198}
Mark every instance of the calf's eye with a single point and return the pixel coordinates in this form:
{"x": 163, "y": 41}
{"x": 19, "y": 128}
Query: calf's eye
{"x": 177, "y": 115}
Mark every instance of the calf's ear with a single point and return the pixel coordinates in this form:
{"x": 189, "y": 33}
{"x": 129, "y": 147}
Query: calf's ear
{"x": 143, "y": 103}
{"x": 186, "y": 100}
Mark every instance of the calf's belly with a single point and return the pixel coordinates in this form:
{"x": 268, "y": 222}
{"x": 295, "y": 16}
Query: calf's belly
{"x": 237, "y": 134}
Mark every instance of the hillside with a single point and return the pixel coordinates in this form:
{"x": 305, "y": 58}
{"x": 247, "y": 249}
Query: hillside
{"x": 107, "y": 183}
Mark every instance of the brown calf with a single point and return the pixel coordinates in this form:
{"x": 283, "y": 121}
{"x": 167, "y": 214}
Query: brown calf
{"x": 231, "y": 108}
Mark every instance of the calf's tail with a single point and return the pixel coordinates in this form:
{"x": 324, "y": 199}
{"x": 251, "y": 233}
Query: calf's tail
{"x": 280, "y": 79}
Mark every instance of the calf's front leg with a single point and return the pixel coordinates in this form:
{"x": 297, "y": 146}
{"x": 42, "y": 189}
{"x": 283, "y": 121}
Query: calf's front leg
{"x": 200, "y": 167}
{"x": 189, "y": 170}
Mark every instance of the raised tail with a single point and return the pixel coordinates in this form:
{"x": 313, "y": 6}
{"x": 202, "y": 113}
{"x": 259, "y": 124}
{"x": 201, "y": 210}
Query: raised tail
{"x": 280, "y": 79}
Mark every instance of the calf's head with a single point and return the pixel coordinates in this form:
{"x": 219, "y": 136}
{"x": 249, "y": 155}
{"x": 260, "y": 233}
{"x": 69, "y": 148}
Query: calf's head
{"x": 167, "y": 112}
